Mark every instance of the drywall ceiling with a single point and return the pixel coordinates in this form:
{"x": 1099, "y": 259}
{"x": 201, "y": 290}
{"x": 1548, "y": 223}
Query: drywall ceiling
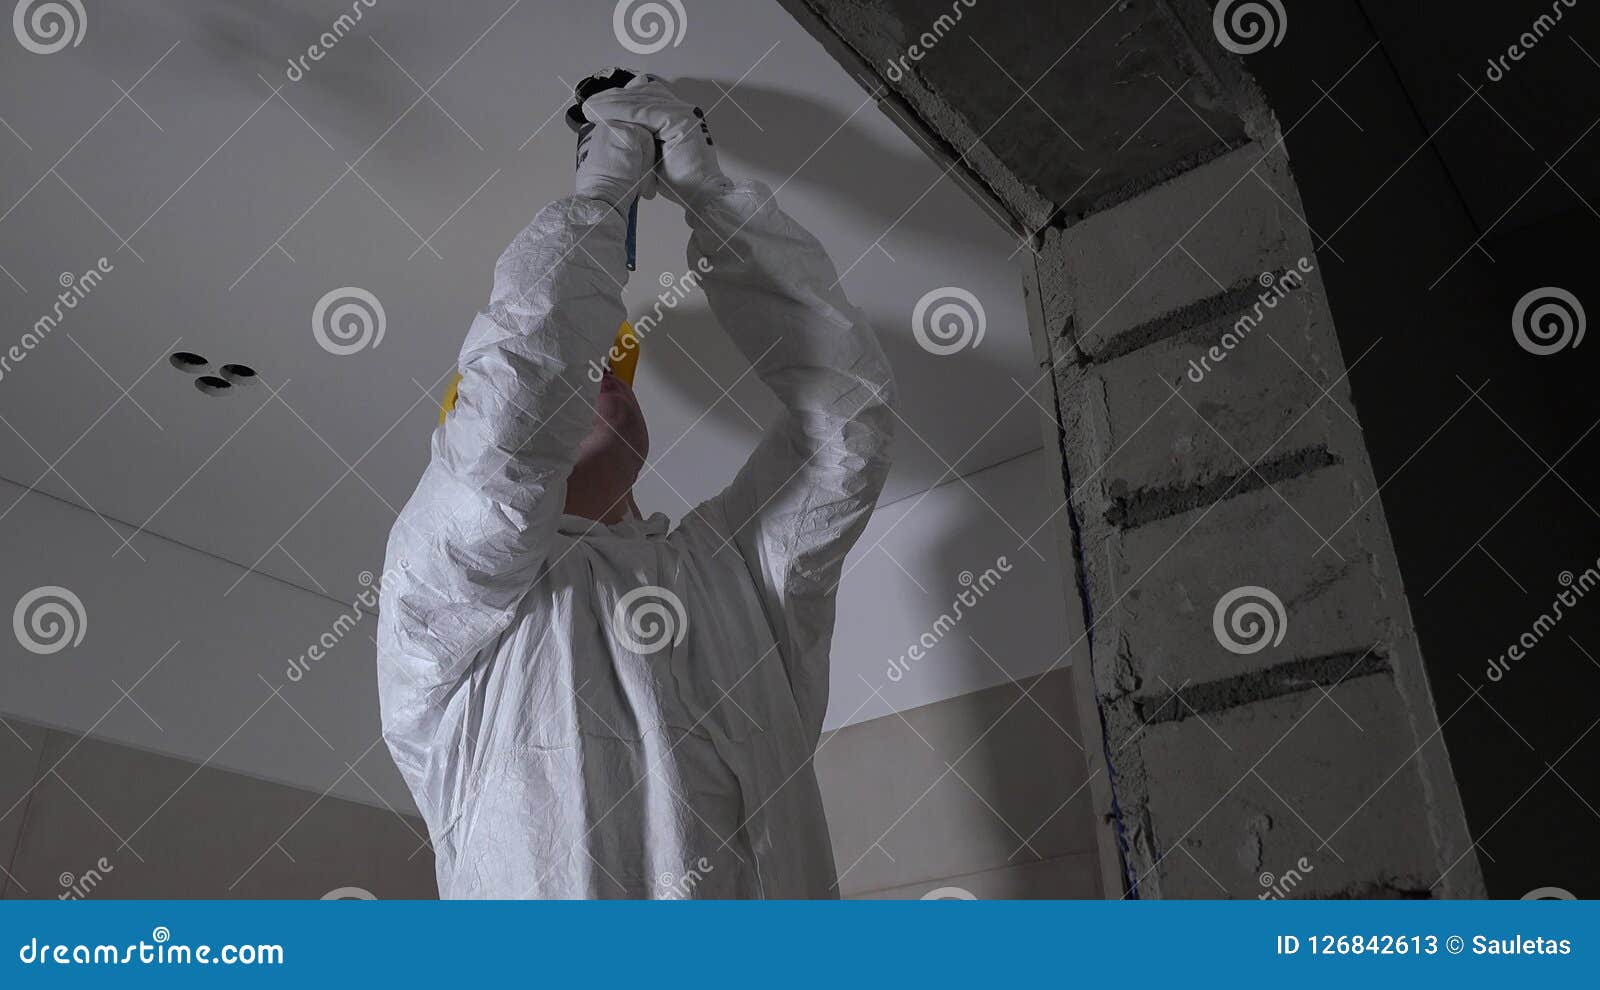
{"x": 228, "y": 194}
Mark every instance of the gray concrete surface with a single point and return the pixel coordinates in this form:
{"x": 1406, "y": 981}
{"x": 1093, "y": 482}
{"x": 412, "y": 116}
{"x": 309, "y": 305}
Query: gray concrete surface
{"x": 1046, "y": 134}
{"x": 1215, "y": 766}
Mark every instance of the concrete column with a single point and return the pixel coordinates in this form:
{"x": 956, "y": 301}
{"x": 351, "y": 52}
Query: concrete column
{"x": 1266, "y": 715}
{"x": 1267, "y": 724}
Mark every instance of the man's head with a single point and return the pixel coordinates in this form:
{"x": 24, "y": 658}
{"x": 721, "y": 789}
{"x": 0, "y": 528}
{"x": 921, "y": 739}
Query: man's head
{"x": 611, "y": 456}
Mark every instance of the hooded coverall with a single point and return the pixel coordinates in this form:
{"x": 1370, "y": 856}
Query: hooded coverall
{"x": 560, "y": 742}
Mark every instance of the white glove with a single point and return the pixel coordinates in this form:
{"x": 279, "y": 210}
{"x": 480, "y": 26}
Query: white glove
{"x": 616, "y": 163}
{"x": 689, "y": 168}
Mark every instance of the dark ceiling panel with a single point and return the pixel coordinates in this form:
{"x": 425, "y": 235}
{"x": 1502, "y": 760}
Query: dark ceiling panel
{"x": 1534, "y": 66}
{"x": 1082, "y": 100}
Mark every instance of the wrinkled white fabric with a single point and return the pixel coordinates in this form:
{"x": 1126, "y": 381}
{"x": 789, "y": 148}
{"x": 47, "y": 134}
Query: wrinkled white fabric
{"x": 549, "y": 758}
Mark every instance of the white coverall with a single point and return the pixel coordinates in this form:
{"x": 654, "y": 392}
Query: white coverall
{"x": 548, "y": 757}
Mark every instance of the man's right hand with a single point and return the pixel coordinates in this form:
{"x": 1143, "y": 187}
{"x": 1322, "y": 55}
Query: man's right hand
{"x": 689, "y": 168}
{"x": 615, "y": 163}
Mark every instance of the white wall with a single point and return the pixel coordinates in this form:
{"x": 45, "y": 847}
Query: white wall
{"x": 211, "y": 698}
{"x": 907, "y": 572}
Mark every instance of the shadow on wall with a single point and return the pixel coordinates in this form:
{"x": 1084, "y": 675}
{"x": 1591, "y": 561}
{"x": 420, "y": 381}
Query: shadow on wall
{"x": 781, "y": 133}
{"x": 791, "y": 135}
{"x": 251, "y": 38}
{"x": 691, "y": 356}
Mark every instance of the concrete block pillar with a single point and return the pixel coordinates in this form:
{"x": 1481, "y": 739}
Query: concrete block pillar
{"x": 1268, "y": 726}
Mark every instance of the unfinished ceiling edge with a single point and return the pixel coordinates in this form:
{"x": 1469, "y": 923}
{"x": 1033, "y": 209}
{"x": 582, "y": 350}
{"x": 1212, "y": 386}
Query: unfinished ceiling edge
{"x": 1017, "y": 206}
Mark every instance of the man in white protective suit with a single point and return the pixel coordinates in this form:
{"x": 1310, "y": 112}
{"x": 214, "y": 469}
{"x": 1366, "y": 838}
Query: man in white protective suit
{"x": 584, "y": 703}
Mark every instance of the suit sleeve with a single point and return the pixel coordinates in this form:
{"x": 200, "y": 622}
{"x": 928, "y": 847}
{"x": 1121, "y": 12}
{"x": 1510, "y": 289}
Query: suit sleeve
{"x": 469, "y": 543}
{"x": 803, "y": 498}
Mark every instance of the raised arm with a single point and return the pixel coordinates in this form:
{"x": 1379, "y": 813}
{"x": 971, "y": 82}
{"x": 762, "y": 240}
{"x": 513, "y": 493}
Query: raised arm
{"x": 802, "y": 499}
{"x": 469, "y": 543}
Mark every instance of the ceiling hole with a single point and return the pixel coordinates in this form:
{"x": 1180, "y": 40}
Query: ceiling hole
{"x": 238, "y": 374}
{"x": 212, "y": 385}
{"x": 188, "y": 362}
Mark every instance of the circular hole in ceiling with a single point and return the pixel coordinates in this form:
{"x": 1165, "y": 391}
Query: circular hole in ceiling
{"x": 212, "y": 385}
{"x": 238, "y": 374}
{"x": 188, "y": 362}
